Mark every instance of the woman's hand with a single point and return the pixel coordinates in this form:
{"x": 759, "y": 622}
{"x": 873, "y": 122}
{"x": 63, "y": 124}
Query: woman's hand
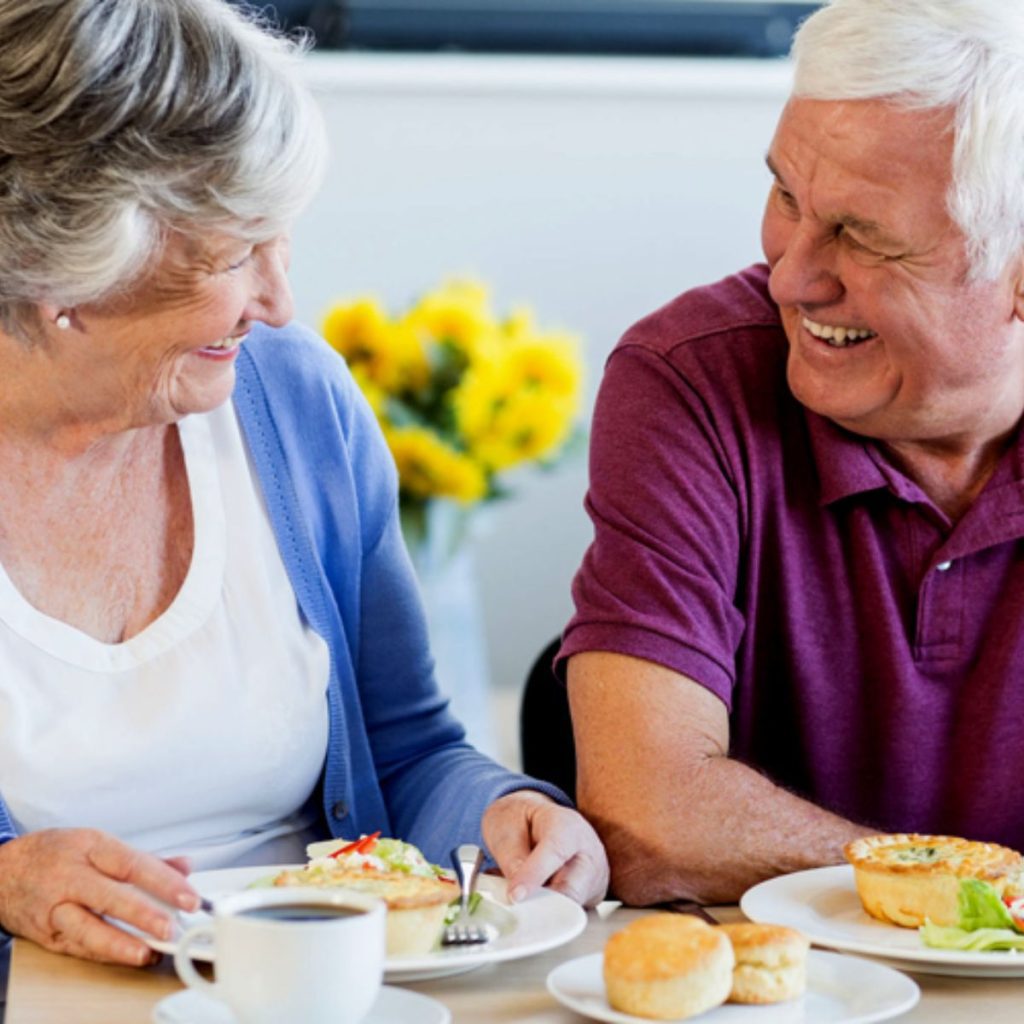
{"x": 536, "y": 841}
{"x": 55, "y": 885}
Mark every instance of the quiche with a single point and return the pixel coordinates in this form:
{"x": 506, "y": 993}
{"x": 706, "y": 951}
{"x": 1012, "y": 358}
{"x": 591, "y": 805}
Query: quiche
{"x": 417, "y": 895}
{"x": 906, "y": 879}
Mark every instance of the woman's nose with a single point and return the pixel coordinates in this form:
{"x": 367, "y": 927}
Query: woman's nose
{"x": 803, "y": 269}
{"x": 271, "y": 301}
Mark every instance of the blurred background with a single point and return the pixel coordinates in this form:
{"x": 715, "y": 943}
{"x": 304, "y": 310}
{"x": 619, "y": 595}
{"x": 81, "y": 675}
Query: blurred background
{"x": 587, "y": 158}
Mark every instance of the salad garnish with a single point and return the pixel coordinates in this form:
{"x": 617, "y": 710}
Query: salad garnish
{"x": 988, "y": 922}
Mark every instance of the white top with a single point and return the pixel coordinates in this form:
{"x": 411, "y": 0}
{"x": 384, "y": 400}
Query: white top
{"x": 203, "y": 735}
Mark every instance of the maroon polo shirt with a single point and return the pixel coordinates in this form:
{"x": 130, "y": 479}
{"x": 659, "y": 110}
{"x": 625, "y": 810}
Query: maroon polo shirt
{"x": 869, "y": 650}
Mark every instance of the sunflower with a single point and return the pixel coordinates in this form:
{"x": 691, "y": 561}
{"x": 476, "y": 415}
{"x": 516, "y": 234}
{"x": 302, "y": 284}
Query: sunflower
{"x": 430, "y": 468}
{"x": 457, "y": 316}
{"x": 388, "y": 354}
{"x": 522, "y": 406}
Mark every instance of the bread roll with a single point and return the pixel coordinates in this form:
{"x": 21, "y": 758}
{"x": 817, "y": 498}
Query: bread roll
{"x": 667, "y": 967}
{"x": 771, "y": 962}
{"x": 905, "y": 879}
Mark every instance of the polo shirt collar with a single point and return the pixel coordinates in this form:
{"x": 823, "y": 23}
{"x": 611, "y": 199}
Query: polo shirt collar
{"x": 844, "y": 464}
{"x": 848, "y": 464}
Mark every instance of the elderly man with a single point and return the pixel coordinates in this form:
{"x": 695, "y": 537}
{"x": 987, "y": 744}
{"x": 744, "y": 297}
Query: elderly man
{"x": 802, "y": 616}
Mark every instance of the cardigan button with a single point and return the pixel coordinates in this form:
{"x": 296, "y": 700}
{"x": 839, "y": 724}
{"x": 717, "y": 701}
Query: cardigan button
{"x": 340, "y": 810}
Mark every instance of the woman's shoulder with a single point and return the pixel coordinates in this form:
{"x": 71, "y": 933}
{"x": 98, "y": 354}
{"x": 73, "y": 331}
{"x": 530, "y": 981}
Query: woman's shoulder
{"x": 295, "y": 371}
{"x": 293, "y": 377}
{"x": 285, "y": 356}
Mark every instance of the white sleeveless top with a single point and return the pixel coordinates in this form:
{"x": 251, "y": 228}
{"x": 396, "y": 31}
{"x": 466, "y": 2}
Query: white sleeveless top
{"x": 206, "y": 733}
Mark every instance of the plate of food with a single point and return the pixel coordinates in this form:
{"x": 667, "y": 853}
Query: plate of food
{"x": 419, "y": 896}
{"x": 733, "y": 974}
{"x": 932, "y": 904}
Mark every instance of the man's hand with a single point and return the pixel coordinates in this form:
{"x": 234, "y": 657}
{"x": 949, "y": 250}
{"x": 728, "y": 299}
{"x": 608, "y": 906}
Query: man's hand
{"x": 56, "y": 884}
{"x": 536, "y": 842}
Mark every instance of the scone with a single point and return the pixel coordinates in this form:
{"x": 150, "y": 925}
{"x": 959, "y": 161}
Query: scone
{"x": 771, "y": 962}
{"x": 667, "y": 967}
{"x": 906, "y": 879}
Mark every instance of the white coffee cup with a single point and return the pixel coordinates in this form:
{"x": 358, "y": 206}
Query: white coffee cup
{"x": 291, "y": 954}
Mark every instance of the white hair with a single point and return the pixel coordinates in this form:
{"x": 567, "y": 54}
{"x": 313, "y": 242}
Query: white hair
{"x": 966, "y": 56}
{"x": 123, "y": 119}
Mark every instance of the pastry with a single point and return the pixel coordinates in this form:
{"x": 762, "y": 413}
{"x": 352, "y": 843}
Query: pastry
{"x": 416, "y": 893}
{"x": 906, "y": 879}
{"x": 771, "y": 962}
{"x": 667, "y": 967}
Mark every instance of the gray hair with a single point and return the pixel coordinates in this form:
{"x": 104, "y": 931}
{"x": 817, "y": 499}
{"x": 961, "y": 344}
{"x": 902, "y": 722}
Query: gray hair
{"x": 963, "y": 55}
{"x": 122, "y": 119}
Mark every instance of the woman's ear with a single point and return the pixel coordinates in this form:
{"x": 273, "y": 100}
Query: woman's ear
{"x": 56, "y": 316}
{"x": 48, "y": 312}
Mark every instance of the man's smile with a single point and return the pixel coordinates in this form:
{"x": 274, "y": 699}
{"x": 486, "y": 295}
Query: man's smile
{"x": 836, "y": 335}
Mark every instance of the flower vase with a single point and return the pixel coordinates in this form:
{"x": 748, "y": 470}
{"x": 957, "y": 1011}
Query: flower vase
{"x": 437, "y": 535}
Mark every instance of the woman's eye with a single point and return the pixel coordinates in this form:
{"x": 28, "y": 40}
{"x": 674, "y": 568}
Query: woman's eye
{"x": 240, "y": 263}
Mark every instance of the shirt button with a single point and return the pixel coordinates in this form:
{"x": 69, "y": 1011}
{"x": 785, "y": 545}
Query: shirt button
{"x": 340, "y": 809}
{"x": 944, "y": 566}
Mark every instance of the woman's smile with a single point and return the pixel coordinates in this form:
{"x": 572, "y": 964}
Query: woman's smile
{"x": 224, "y": 350}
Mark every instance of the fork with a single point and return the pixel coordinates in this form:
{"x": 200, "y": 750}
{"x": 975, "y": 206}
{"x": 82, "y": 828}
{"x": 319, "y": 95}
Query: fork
{"x": 467, "y": 860}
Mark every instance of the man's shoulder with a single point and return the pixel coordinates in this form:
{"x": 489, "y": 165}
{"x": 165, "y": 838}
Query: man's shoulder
{"x": 735, "y": 307}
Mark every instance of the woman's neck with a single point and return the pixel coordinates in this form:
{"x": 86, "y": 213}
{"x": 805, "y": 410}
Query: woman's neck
{"x": 44, "y": 411}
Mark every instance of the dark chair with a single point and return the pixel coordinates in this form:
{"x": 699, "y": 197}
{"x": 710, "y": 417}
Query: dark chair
{"x": 545, "y": 726}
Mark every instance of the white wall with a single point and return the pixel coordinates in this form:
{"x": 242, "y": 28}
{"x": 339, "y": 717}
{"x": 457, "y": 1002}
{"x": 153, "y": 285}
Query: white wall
{"x": 593, "y": 189}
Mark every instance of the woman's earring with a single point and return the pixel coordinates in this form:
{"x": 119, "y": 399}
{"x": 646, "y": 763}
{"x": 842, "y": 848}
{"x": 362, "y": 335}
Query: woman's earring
{"x": 63, "y": 322}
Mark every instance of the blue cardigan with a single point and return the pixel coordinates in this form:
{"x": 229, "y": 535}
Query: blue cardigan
{"x": 396, "y": 759}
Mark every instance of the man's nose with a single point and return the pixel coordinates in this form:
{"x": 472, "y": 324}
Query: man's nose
{"x": 805, "y": 273}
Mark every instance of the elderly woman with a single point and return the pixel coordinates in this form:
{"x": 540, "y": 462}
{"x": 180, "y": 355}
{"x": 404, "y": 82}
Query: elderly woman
{"x": 211, "y": 645}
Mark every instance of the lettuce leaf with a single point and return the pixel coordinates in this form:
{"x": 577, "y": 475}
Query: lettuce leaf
{"x": 980, "y": 940}
{"x": 982, "y": 907}
{"x": 985, "y": 923}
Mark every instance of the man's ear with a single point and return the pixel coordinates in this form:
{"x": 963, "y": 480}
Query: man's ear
{"x": 1018, "y": 292}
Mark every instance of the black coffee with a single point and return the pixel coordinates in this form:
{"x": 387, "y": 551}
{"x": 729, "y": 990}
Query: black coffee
{"x": 300, "y": 912}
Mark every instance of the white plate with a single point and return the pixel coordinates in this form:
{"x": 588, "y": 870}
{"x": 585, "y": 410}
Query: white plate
{"x": 840, "y": 990}
{"x": 824, "y": 905}
{"x": 547, "y": 919}
{"x": 393, "y": 1004}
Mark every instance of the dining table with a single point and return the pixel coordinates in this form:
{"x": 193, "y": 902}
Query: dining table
{"x": 47, "y": 988}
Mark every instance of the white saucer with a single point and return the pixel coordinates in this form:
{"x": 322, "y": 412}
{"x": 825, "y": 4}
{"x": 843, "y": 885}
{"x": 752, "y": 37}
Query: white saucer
{"x": 393, "y": 1004}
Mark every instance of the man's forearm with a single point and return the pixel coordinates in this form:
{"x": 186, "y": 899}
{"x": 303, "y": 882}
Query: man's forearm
{"x": 725, "y": 829}
{"x": 680, "y": 820}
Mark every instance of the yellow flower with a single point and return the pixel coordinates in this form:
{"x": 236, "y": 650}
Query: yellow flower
{"x": 522, "y": 405}
{"x": 375, "y": 395}
{"x": 389, "y": 354}
{"x": 518, "y": 324}
{"x": 429, "y": 468}
{"x": 546, "y": 362}
{"x": 457, "y": 314}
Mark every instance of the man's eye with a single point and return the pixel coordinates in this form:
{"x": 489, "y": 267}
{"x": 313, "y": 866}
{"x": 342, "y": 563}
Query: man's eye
{"x": 851, "y": 241}
{"x": 240, "y": 263}
{"x": 863, "y": 251}
{"x": 786, "y": 197}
